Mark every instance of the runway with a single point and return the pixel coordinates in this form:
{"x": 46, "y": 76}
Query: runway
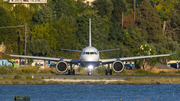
{"x": 94, "y": 76}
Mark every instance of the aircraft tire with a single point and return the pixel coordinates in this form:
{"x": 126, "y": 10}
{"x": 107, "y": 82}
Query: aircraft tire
{"x": 69, "y": 72}
{"x": 73, "y": 72}
{"x": 89, "y": 73}
{"x": 106, "y": 72}
{"x": 110, "y": 72}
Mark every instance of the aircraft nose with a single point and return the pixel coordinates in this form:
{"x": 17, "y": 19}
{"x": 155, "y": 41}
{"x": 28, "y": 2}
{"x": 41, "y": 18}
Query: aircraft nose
{"x": 89, "y": 58}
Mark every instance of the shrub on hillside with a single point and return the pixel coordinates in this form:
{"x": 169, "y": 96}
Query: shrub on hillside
{"x": 6, "y": 70}
{"x": 17, "y": 77}
{"x": 27, "y": 71}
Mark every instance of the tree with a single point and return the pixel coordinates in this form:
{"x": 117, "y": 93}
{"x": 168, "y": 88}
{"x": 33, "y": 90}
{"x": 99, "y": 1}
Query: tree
{"x": 119, "y": 7}
{"x": 38, "y": 47}
{"x": 44, "y": 15}
{"x": 164, "y": 8}
{"x": 150, "y": 23}
{"x": 47, "y": 32}
{"x": 22, "y": 14}
{"x": 104, "y": 7}
{"x": 8, "y": 35}
{"x": 100, "y": 29}
{"x": 69, "y": 7}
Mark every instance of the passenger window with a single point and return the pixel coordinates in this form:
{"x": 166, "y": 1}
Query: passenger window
{"x": 87, "y": 53}
{"x": 95, "y": 53}
{"x": 84, "y": 53}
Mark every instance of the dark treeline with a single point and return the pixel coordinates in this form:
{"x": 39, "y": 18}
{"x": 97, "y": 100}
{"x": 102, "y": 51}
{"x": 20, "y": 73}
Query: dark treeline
{"x": 65, "y": 24}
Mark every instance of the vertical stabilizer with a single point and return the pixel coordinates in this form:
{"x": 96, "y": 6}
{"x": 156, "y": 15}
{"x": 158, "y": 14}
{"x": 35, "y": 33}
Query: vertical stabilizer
{"x": 89, "y": 32}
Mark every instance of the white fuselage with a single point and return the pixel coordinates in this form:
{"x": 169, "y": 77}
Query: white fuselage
{"x": 89, "y": 56}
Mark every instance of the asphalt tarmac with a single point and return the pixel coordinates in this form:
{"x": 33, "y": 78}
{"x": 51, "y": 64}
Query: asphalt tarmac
{"x": 94, "y": 76}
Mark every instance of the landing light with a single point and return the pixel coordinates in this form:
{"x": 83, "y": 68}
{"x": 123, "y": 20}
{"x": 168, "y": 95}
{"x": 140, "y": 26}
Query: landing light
{"x": 90, "y": 67}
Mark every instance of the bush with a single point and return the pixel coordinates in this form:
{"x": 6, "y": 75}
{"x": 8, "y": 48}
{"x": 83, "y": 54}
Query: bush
{"x": 17, "y": 77}
{"x": 100, "y": 70}
{"x": 178, "y": 72}
{"x": 6, "y": 70}
{"x": 43, "y": 77}
{"x": 142, "y": 72}
{"x": 27, "y": 71}
{"x": 80, "y": 69}
{"x": 162, "y": 73}
{"x": 7, "y": 77}
{"x": 28, "y": 77}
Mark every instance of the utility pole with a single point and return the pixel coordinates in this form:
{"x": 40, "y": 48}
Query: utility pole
{"x": 25, "y": 41}
{"x": 134, "y": 9}
{"x": 122, "y": 18}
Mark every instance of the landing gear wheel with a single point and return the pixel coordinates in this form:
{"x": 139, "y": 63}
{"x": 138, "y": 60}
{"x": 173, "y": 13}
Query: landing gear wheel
{"x": 110, "y": 72}
{"x": 73, "y": 72}
{"x": 69, "y": 72}
{"x": 106, "y": 72}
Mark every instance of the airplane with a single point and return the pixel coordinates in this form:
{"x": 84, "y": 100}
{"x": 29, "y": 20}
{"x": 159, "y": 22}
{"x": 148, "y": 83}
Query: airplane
{"x": 90, "y": 58}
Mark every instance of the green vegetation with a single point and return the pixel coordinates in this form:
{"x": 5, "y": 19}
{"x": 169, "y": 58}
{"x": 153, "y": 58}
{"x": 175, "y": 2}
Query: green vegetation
{"x": 75, "y": 78}
{"x": 130, "y": 80}
{"x": 26, "y": 70}
{"x": 42, "y": 77}
{"x": 64, "y": 24}
{"x": 17, "y": 77}
{"x": 28, "y": 77}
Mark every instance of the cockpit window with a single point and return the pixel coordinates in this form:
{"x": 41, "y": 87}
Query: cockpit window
{"x": 91, "y": 53}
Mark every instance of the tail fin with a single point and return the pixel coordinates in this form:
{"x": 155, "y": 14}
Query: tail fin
{"x": 89, "y": 32}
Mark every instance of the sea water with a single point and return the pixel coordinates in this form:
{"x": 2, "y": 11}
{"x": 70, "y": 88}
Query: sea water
{"x": 92, "y": 92}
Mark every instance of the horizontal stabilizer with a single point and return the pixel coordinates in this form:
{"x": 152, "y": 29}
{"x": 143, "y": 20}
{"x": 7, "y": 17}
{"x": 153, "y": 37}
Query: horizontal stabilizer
{"x": 71, "y": 50}
{"x": 108, "y": 50}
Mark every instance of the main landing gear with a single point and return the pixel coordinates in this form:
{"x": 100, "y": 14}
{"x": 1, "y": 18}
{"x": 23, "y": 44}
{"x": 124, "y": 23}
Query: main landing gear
{"x": 108, "y": 70}
{"x": 71, "y": 71}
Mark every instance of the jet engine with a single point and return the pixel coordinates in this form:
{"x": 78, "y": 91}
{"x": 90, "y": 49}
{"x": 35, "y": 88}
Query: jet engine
{"x": 61, "y": 67}
{"x": 118, "y": 66}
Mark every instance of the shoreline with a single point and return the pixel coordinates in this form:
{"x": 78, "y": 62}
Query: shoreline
{"x": 127, "y": 81}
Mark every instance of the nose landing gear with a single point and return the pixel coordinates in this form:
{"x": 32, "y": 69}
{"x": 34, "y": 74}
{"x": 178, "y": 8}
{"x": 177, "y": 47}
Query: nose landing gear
{"x": 89, "y": 73}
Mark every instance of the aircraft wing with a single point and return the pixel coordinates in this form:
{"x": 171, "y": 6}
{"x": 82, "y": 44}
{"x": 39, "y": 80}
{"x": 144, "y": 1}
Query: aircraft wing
{"x": 104, "y": 61}
{"x": 46, "y": 58}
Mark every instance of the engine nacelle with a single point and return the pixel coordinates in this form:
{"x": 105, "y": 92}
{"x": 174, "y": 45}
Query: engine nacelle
{"x": 118, "y": 66}
{"x": 61, "y": 67}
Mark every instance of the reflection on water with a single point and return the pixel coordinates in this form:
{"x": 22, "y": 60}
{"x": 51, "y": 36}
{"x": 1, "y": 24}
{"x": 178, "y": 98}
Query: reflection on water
{"x": 92, "y": 92}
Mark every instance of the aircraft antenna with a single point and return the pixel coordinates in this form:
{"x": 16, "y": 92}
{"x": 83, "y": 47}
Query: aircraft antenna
{"x": 89, "y": 32}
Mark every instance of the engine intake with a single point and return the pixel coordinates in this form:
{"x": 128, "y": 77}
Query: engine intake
{"x": 118, "y": 66}
{"x": 61, "y": 67}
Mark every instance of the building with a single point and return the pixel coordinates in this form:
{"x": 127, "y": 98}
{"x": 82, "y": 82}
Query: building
{"x": 6, "y": 63}
{"x": 27, "y": 1}
{"x": 88, "y": 2}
